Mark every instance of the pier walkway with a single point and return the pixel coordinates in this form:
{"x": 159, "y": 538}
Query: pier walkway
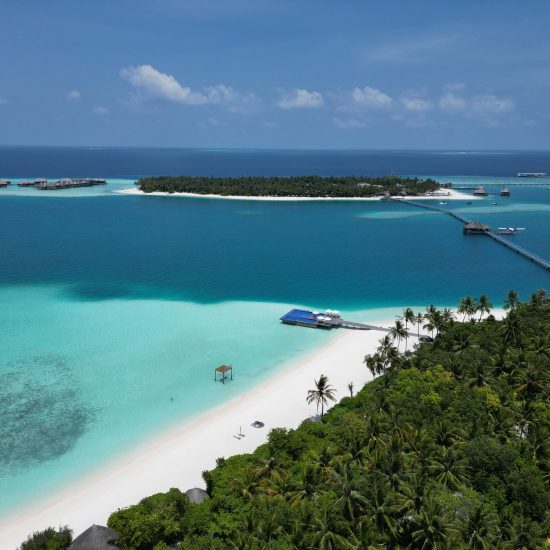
{"x": 545, "y": 264}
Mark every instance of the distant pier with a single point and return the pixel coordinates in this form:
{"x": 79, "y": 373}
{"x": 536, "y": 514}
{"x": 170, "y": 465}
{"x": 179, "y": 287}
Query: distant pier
{"x": 486, "y": 231}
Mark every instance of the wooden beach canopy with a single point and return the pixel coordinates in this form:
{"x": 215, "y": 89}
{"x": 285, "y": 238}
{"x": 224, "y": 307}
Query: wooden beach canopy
{"x": 222, "y": 369}
{"x": 96, "y": 537}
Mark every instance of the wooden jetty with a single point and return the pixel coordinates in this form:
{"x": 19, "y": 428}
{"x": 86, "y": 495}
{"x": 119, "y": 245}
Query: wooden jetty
{"x": 314, "y": 319}
{"x": 486, "y": 230}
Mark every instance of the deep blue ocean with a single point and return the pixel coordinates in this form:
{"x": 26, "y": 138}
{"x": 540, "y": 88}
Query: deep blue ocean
{"x": 114, "y": 308}
{"x": 121, "y": 162}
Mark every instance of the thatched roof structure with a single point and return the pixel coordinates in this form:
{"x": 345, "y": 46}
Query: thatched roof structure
{"x": 96, "y": 537}
{"x": 196, "y": 495}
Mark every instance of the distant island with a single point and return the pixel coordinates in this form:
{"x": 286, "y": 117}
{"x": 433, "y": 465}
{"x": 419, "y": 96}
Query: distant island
{"x": 296, "y": 186}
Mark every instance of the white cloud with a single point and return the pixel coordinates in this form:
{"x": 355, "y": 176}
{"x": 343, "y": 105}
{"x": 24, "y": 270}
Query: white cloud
{"x": 371, "y": 98}
{"x": 99, "y": 110}
{"x": 491, "y": 105}
{"x": 301, "y": 99}
{"x": 416, "y": 104}
{"x": 451, "y": 102}
{"x": 74, "y": 95}
{"x": 159, "y": 85}
{"x": 348, "y": 123}
{"x": 152, "y": 84}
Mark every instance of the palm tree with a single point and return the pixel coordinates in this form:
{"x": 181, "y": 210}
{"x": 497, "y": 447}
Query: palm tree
{"x": 511, "y": 300}
{"x": 449, "y": 469}
{"x": 432, "y": 529}
{"x": 479, "y": 528}
{"x": 419, "y": 317}
{"x": 481, "y": 375}
{"x": 351, "y": 499}
{"x": 398, "y": 332}
{"x": 512, "y": 329}
{"x": 307, "y": 486}
{"x": 408, "y": 317}
{"x": 465, "y": 307}
{"x": 381, "y": 511}
{"x": 484, "y": 305}
{"x": 538, "y": 298}
{"x": 329, "y": 532}
{"x": 350, "y": 388}
{"x": 322, "y": 394}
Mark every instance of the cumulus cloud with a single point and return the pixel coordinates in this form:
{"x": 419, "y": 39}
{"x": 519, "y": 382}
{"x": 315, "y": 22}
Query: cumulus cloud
{"x": 74, "y": 95}
{"x": 152, "y": 84}
{"x": 301, "y": 99}
{"x": 451, "y": 102}
{"x": 371, "y": 98}
{"x": 348, "y": 123}
{"x": 416, "y": 104}
{"x": 99, "y": 110}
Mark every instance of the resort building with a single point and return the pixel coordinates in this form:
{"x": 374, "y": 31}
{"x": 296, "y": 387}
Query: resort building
{"x": 476, "y": 228}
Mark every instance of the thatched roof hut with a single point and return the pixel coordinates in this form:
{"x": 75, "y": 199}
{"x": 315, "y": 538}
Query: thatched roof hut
{"x": 96, "y": 537}
{"x": 196, "y": 495}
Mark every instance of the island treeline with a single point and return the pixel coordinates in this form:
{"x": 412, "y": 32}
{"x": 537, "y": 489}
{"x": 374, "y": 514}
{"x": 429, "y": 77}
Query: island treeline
{"x": 298, "y": 186}
{"x": 447, "y": 447}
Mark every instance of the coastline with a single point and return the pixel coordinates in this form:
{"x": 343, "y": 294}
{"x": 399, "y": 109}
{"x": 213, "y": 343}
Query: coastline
{"x": 454, "y": 195}
{"x": 177, "y": 456}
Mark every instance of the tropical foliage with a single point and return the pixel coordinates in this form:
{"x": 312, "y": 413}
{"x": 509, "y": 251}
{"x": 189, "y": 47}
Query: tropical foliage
{"x": 299, "y": 186}
{"x": 49, "y": 539}
{"x": 446, "y": 448}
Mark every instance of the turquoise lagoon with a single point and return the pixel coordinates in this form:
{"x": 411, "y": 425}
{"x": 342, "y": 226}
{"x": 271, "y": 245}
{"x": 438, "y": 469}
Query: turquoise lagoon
{"x": 115, "y": 309}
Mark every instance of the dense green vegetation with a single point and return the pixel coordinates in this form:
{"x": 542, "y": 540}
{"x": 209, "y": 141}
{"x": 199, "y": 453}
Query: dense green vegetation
{"x": 447, "y": 448}
{"x": 49, "y": 539}
{"x": 299, "y": 186}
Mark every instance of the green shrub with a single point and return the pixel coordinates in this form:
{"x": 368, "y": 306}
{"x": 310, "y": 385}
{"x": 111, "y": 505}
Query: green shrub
{"x": 49, "y": 539}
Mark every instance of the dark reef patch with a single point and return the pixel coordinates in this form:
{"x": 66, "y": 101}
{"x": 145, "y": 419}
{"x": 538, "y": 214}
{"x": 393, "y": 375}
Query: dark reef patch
{"x": 42, "y": 413}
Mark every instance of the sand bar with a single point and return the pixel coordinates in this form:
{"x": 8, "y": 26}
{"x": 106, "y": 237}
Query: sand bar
{"x": 177, "y": 457}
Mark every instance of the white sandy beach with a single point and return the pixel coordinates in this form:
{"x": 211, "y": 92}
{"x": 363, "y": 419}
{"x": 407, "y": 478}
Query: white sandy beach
{"x": 177, "y": 457}
{"x": 453, "y": 195}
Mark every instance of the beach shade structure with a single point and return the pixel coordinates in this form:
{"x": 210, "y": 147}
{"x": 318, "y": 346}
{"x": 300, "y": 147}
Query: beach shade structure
{"x": 223, "y": 369}
{"x": 196, "y": 495}
{"x": 96, "y": 537}
{"x": 257, "y": 424}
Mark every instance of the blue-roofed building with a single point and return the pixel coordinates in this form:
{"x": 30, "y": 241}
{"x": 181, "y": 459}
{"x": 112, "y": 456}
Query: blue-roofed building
{"x": 307, "y": 318}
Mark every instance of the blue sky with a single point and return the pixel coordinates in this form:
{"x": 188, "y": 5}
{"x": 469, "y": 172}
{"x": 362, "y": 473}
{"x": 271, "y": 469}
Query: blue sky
{"x": 276, "y": 73}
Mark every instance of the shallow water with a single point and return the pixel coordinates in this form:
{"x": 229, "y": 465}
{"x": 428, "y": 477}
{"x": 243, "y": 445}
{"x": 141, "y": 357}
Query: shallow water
{"x": 116, "y": 309}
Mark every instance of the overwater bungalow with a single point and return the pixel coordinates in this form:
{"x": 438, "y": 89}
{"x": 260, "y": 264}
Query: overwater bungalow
{"x": 505, "y": 192}
{"x": 5, "y": 183}
{"x": 480, "y": 191}
{"x": 27, "y": 183}
{"x": 476, "y": 228}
